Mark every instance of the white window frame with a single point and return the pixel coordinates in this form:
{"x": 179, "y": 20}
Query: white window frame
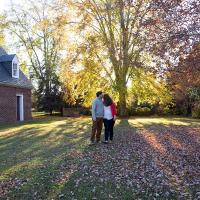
{"x": 21, "y": 106}
{"x": 15, "y": 61}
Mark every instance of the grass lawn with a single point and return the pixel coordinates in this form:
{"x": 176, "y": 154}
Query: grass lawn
{"x": 151, "y": 158}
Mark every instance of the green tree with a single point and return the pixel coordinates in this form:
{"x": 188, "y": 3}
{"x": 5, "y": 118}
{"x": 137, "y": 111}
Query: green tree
{"x": 40, "y": 31}
{"x": 146, "y": 87}
{"x": 117, "y": 46}
{"x": 125, "y": 29}
{"x": 82, "y": 84}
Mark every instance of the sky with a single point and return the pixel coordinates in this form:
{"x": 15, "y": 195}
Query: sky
{"x": 4, "y": 5}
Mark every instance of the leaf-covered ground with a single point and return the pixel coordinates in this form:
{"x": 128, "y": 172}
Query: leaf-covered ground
{"x": 151, "y": 158}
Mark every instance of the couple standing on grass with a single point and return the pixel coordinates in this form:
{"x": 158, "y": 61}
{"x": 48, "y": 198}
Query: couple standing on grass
{"x": 103, "y": 111}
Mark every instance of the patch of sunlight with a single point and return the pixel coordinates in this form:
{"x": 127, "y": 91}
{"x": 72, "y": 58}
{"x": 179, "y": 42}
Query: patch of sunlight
{"x": 55, "y": 123}
{"x": 47, "y": 124}
{"x": 18, "y": 167}
{"x": 142, "y": 122}
{"x": 37, "y": 114}
{"x": 152, "y": 140}
{"x": 63, "y": 130}
{"x": 12, "y": 131}
{"x": 19, "y": 129}
{"x": 76, "y": 140}
{"x": 117, "y": 122}
{"x": 175, "y": 143}
{"x": 35, "y": 124}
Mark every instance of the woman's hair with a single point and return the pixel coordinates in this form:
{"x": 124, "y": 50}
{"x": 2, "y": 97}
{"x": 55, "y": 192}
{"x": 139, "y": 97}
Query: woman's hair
{"x": 107, "y": 100}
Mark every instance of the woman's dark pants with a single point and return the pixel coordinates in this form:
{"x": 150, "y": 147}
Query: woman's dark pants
{"x": 108, "y": 124}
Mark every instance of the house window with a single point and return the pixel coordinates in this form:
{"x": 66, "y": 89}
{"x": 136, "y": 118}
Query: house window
{"x": 15, "y": 70}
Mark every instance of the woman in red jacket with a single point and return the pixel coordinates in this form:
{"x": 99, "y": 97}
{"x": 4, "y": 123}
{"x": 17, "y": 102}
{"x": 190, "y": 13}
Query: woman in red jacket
{"x": 109, "y": 117}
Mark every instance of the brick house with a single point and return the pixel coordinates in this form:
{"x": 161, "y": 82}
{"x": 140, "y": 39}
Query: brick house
{"x": 15, "y": 90}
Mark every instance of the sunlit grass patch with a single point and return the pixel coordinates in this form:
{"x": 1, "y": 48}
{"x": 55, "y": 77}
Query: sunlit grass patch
{"x": 143, "y": 122}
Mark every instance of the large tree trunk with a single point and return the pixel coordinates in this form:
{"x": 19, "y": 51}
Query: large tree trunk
{"x": 122, "y": 104}
{"x": 122, "y": 92}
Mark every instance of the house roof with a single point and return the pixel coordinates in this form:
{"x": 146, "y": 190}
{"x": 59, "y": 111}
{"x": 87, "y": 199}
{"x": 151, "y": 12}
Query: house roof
{"x": 7, "y": 58}
{"x": 6, "y": 78}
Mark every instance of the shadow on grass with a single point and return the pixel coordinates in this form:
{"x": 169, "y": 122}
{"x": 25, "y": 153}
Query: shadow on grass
{"x": 52, "y": 160}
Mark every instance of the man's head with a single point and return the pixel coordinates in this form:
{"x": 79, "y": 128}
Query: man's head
{"x": 99, "y": 94}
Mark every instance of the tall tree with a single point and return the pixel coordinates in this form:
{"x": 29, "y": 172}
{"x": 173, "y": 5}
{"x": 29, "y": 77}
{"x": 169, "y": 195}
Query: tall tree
{"x": 39, "y": 28}
{"x": 185, "y": 80}
{"x": 127, "y": 29}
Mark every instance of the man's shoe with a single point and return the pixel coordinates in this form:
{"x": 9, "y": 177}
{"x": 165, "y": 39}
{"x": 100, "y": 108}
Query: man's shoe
{"x": 111, "y": 141}
{"x": 105, "y": 142}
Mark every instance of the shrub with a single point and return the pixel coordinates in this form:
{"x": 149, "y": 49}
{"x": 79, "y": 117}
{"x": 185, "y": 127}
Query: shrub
{"x": 131, "y": 111}
{"x": 143, "y": 111}
{"x": 167, "y": 110}
{"x": 196, "y": 110}
{"x": 85, "y": 111}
